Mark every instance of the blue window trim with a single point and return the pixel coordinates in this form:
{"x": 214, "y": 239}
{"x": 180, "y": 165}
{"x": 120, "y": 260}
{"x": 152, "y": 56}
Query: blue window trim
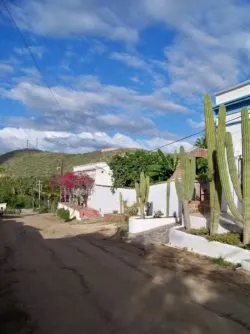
{"x": 233, "y": 105}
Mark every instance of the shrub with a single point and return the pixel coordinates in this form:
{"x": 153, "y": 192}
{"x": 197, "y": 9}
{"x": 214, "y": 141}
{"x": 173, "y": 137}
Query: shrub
{"x": 131, "y": 210}
{"x": 199, "y": 231}
{"x": 227, "y": 238}
{"x": 221, "y": 262}
{"x": 43, "y": 209}
{"x": 158, "y": 214}
{"x": 122, "y": 231}
{"x": 10, "y": 211}
{"x": 63, "y": 214}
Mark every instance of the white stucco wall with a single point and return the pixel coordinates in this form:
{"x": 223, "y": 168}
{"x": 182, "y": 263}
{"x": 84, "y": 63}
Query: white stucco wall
{"x": 99, "y": 171}
{"x": 72, "y": 212}
{"x": 233, "y": 125}
{"x": 157, "y": 195}
{"x": 233, "y": 94}
{"x": 105, "y": 201}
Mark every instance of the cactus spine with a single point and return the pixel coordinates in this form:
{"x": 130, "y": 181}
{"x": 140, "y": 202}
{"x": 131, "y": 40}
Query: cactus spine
{"x": 168, "y": 198}
{"x": 185, "y": 186}
{"x": 142, "y": 192}
{"x": 213, "y": 174}
{"x": 121, "y": 202}
{"x": 227, "y": 167}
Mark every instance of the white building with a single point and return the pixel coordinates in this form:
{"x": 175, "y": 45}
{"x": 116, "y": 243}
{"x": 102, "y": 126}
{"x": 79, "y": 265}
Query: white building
{"x": 99, "y": 171}
{"x": 234, "y": 99}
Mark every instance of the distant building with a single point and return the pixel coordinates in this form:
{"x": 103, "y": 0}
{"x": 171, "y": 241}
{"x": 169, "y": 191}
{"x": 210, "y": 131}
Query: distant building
{"x": 99, "y": 171}
{"x": 109, "y": 149}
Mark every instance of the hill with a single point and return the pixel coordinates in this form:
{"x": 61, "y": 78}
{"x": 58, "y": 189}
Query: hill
{"x": 26, "y": 163}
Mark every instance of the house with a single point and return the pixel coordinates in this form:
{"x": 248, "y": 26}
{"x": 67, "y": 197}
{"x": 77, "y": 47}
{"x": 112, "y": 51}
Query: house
{"x": 99, "y": 171}
{"x": 234, "y": 99}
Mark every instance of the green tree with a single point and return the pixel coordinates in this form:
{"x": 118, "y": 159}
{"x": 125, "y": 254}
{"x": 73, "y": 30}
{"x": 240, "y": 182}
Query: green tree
{"x": 201, "y": 163}
{"x": 126, "y": 168}
{"x": 201, "y": 142}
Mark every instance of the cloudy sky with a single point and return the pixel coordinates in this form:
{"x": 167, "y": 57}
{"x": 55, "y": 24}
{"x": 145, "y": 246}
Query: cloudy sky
{"x": 120, "y": 73}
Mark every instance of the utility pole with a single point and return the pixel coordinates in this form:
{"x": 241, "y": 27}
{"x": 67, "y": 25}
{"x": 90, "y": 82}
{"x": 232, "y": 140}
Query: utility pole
{"x": 40, "y": 186}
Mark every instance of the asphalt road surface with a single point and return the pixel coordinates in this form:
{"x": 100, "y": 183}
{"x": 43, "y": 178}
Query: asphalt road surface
{"x": 72, "y": 280}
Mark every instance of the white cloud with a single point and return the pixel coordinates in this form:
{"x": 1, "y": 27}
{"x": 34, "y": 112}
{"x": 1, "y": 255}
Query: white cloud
{"x": 195, "y": 124}
{"x": 36, "y": 50}
{"x": 16, "y": 138}
{"x": 92, "y": 103}
{"x": 75, "y": 18}
{"x": 130, "y": 60}
{"x": 5, "y": 69}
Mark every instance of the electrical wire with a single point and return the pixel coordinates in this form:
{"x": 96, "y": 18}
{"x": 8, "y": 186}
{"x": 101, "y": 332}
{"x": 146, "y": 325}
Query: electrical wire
{"x": 53, "y": 95}
{"x": 189, "y": 136}
{"x": 26, "y": 45}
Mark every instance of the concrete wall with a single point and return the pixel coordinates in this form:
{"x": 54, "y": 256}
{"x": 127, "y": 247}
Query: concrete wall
{"x": 105, "y": 201}
{"x": 3, "y": 206}
{"x": 99, "y": 171}
{"x": 72, "y": 212}
{"x": 201, "y": 245}
{"x": 233, "y": 94}
{"x": 157, "y": 195}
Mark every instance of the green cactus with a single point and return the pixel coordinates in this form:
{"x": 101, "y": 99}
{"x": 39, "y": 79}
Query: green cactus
{"x": 228, "y": 170}
{"x": 142, "y": 192}
{"x": 185, "y": 186}
{"x": 168, "y": 198}
{"x": 121, "y": 202}
{"x": 213, "y": 174}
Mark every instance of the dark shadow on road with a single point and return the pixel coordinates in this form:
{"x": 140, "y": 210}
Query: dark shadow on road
{"x": 89, "y": 284}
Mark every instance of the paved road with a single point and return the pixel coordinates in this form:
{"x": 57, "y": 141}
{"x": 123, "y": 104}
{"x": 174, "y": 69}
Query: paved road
{"x": 72, "y": 281}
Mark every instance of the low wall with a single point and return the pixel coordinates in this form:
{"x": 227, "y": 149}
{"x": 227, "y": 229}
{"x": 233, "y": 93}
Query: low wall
{"x": 3, "y": 206}
{"x": 226, "y": 225}
{"x": 105, "y": 201}
{"x": 137, "y": 225}
{"x": 72, "y": 212}
{"x": 201, "y": 245}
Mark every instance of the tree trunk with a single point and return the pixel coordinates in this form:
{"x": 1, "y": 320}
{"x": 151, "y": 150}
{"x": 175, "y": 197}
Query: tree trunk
{"x": 186, "y": 215}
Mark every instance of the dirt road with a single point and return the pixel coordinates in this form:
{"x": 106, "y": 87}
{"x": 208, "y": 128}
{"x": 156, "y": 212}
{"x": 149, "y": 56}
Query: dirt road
{"x": 72, "y": 281}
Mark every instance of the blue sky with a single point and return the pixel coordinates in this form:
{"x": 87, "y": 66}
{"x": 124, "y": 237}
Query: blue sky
{"x": 121, "y": 73}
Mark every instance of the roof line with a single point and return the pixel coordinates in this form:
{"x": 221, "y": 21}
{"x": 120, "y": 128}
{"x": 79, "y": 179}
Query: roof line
{"x": 242, "y": 84}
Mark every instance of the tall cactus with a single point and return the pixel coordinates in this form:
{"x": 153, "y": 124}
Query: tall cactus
{"x": 168, "y": 198}
{"x": 228, "y": 170}
{"x": 142, "y": 192}
{"x": 121, "y": 202}
{"x": 213, "y": 174}
{"x": 185, "y": 186}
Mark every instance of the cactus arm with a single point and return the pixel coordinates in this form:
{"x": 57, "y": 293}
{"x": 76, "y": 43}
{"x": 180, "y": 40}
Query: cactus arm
{"x": 137, "y": 190}
{"x": 121, "y": 202}
{"x": 147, "y": 188}
{"x": 245, "y": 130}
{"x": 214, "y": 181}
{"x": 178, "y": 188}
{"x": 223, "y": 169}
{"x": 232, "y": 165}
{"x": 168, "y": 198}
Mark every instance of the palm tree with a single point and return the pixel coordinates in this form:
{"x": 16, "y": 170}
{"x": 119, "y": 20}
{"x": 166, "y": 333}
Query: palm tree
{"x": 201, "y": 142}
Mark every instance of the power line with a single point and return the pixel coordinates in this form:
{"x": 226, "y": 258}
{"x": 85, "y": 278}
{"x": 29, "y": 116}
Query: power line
{"x": 189, "y": 136}
{"x": 26, "y": 45}
{"x": 52, "y": 93}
